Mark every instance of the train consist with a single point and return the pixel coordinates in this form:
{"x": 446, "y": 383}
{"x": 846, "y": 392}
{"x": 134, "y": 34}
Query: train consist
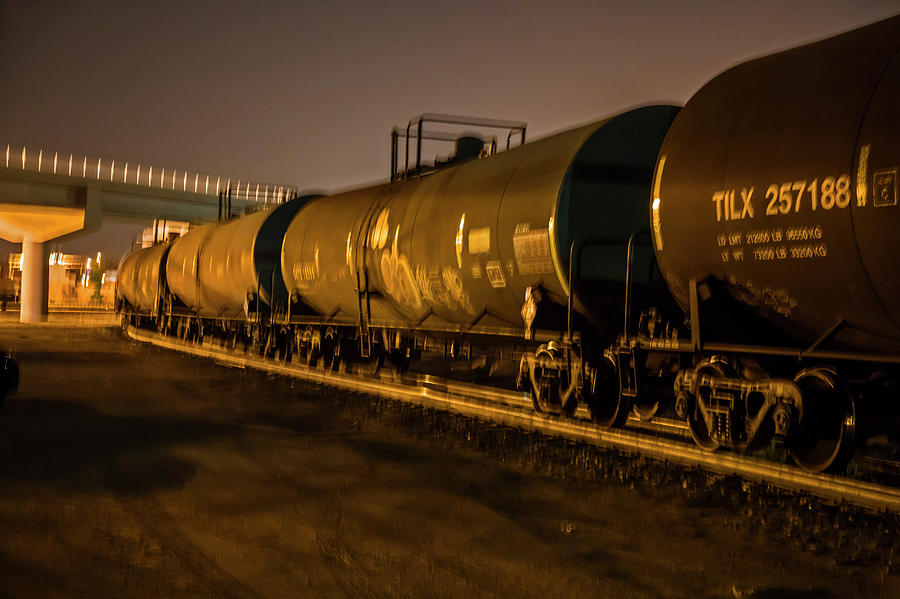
{"x": 730, "y": 261}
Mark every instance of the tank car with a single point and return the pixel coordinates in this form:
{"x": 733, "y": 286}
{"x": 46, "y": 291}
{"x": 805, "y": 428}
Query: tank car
{"x": 458, "y": 251}
{"x": 774, "y": 219}
{"x": 140, "y": 274}
{"x": 227, "y": 275}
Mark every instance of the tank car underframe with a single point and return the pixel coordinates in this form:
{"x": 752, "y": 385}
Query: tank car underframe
{"x": 726, "y": 399}
{"x": 733, "y": 395}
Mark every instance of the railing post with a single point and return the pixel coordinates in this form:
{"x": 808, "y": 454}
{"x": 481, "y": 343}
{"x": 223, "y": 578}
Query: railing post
{"x": 394, "y": 140}
{"x": 419, "y": 143}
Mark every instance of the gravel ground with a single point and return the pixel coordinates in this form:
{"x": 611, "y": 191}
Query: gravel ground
{"x": 128, "y": 471}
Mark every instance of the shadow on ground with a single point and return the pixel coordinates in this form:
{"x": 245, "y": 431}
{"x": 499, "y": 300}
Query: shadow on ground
{"x": 782, "y": 593}
{"x": 75, "y": 448}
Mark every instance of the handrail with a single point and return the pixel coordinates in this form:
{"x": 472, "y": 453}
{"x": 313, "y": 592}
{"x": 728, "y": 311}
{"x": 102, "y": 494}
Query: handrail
{"x": 145, "y": 175}
{"x": 628, "y": 260}
{"x": 417, "y": 124}
{"x": 575, "y": 251}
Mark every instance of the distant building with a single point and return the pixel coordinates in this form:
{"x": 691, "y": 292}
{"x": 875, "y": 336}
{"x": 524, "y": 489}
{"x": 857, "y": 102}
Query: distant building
{"x": 74, "y": 281}
{"x": 163, "y": 231}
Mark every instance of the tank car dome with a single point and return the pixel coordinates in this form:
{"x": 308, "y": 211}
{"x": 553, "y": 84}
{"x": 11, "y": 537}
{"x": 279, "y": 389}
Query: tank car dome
{"x": 467, "y": 147}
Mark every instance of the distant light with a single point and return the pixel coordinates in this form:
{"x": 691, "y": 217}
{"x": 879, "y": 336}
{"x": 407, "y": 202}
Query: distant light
{"x": 89, "y": 264}
{"x": 7, "y": 155}
{"x": 217, "y": 185}
{"x": 161, "y": 177}
{"x": 173, "y": 179}
{"x": 137, "y": 179}
{"x": 150, "y": 177}
{"x": 257, "y": 193}
{"x": 70, "y": 165}
{"x": 54, "y": 162}
{"x": 23, "y": 157}
{"x": 98, "y": 258}
{"x": 207, "y": 185}
{"x": 40, "y": 159}
{"x": 112, "y": 169}
{"x": 98, "y": 167}
{"x": 196, "y": 178}
{"x": 84, "y": 168}
{"x": 103, "y": 279}
{"x": 184, "y": 185}
{"x": 125, "y": 176}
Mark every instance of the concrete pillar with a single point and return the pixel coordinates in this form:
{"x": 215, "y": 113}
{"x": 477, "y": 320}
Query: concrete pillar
{"x": 35, "y": 278}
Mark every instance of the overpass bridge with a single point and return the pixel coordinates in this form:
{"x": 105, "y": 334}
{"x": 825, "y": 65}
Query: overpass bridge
{"x": 45, "y": 196}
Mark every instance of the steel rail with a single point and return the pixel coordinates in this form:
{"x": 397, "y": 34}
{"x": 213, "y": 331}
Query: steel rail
{"x": 514, "y": 409}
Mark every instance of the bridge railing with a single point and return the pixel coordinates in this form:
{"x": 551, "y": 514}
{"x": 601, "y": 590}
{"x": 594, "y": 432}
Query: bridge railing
{"x": 145, "y": 175}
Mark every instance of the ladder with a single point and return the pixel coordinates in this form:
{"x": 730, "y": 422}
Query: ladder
{"x": 362, "y": 292}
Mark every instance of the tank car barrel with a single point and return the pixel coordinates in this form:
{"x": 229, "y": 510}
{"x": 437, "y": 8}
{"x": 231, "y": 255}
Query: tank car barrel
{"x": 778, "y": 192}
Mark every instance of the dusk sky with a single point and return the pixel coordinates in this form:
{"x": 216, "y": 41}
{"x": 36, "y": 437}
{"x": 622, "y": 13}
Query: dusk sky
{"x": 306, "y": 92}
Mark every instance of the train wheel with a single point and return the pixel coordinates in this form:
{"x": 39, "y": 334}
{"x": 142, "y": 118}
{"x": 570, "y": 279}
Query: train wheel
{"x": 696, "y": 413}
{"x": 303, "y": 346}
{"x": 545, "y": 397}
{"x": 545, "y": 381}
{"x": 371, "y": 365}
{"x": 399, "y": 361}
{"x": 606, "y": 404}
{"x": 825, "y": 432}
{"x": 270, "y": 345}
{"x": 646, "y": 411}
{"x": 313, "y": 353}
{"x": 259, "y": 341}
{"x": 330, "y": 358}
{"x": 289, "y": 346}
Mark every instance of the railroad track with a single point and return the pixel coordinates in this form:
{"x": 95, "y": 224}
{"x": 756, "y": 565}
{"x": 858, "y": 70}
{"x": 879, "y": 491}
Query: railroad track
{"x": 669, "y": 440}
